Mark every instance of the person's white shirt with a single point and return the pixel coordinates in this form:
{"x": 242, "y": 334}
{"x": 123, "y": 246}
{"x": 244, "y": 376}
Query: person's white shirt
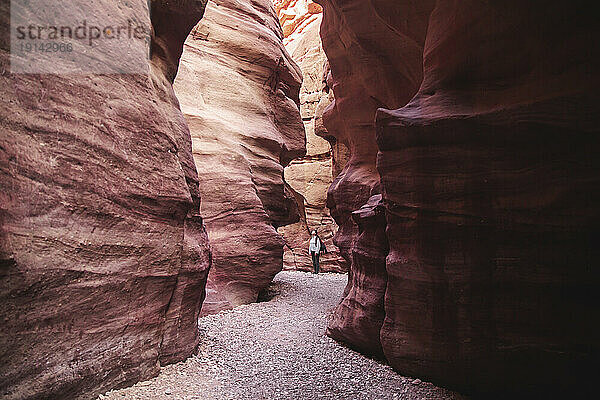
{"x": 315, "y": 244}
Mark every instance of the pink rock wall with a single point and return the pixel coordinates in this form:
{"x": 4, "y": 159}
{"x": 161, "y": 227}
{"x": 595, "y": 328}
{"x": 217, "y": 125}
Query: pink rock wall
{"x": 238, "y": 89}
{"x": 368, "y": 71}
{"x": 359, "y": 316}
{"x": 103, "y": 254}
{"x": 489, "y": 184}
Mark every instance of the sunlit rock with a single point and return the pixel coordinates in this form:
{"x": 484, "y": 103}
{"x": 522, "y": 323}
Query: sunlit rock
{"x": 310, "y": 176}
{"x": 238, "y": 89}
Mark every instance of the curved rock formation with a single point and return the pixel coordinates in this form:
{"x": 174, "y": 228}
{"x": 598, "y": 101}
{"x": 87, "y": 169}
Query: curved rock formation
{"x": 297, "y": 17}
{"x": 311, "y": 175}
{"x": 489, "y": 181}
{"x": 491, "y": 178}
{"x": 238, "y": 89}
{"x": 359, "y": 316}
{"x": 103, "y": 255}
{"x": 372, "y": 65}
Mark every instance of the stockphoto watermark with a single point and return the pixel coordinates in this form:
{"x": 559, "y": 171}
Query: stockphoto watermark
{"x": 81, "y": 32}
{"x": 80, "y": 37}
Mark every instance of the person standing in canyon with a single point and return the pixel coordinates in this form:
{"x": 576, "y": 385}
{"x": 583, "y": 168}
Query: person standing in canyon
{"x": 315, "y": 248}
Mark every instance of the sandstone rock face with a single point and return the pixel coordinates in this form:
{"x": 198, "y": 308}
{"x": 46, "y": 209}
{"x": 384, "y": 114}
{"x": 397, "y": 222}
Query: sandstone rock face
{"x": 372, "y": 65}
{"x": 238, "y": 89}
{"x": 490, "y": 177}
{"x": 311, "y": 175}
{"x": 359, "y": 317}
{"x": 103, "y": 255}
{"x": 297, "y": 18}
{"x": 489, "y": 181}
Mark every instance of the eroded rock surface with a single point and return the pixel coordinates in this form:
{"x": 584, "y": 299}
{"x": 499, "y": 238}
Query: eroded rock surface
{"x": 311, "y": 175}
{"x": 488, "y": 180}
{"x": 359, "y": 316}
{"x": 490, "y": 177}
{"x": 297, "y": 18}
{"x": 238, "y": 89}
{"x": 103, "y": 255}
{"x": 372, "y": 65}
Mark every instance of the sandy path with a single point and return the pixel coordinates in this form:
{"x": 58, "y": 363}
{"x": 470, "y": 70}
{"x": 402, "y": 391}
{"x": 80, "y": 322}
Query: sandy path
{"x": 277, "y": 350}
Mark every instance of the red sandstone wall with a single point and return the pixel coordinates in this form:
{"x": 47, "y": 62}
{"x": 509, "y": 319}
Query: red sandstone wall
{"x": 239, "y": 89}
{"x": 489, "y": 179}
{"x": 368, "y": 72}
{"x": 103, "y": 254}
{"x": 373, "y": 64}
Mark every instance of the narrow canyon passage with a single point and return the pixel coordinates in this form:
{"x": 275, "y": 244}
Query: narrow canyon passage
{"x": 154, "y": 185}
{"x": 278, "y": 350}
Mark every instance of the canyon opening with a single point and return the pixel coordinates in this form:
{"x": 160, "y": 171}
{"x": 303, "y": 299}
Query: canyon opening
{"x": 296, "y": 199}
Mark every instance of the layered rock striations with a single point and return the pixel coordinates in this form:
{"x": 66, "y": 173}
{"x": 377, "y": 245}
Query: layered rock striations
{"x": 358, "y": 318}
{"x": 311, "y": 175}
{"x": 373, "y": 64}
{"x": 489, "y": 181}
{"x": 103, "y": 254}
{"x": 297, "y": 19}
{"x": 238, "y": 89}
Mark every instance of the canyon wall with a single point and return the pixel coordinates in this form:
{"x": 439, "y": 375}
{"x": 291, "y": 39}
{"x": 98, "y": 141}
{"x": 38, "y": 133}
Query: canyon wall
{"x": 372, "y": 65}
{"x": 489, "y": 181}
{"x": 103, "y": 253}
{"x": 311, "y": 175}
{"x": 238, "y": 89}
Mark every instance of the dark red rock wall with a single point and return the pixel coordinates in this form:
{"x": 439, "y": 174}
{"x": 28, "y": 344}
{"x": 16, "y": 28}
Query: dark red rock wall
{"x": 373, "y": 64}
{"x": 359, "y": 317}
{"x": 103, "y": 256}
{"x": 489, "y": 177}
{"x": 491, "y": 183}
{"x": 375, "y": 55}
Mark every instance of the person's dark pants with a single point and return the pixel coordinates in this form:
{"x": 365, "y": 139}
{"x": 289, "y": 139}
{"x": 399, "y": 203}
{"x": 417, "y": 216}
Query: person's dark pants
{"x": 315, "y": 260}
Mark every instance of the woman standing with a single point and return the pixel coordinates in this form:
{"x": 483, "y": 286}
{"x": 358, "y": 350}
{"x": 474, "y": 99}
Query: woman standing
{"x": 315, "y": 248}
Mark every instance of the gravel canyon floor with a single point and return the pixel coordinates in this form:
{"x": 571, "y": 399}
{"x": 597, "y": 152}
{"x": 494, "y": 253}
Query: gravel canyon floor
{"x": 277, "y": 349}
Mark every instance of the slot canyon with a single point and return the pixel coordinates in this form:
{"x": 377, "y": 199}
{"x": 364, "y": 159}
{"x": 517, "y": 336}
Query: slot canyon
{"x": 159, "y": 190}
